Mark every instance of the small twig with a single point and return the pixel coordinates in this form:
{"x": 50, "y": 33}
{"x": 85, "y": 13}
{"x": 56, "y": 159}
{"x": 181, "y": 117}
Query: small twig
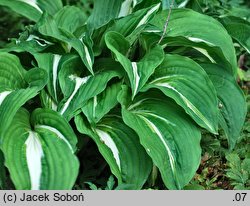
{"x": 167, "y": 21}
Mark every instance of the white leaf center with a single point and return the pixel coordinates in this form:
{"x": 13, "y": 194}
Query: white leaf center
{"x": 79, "y": 82}
{"x": 148, "y": 14}
{"x": 105, "y": 137}
{"x": 136, "y": 78}
{"x": 56, "y": 60}
{"x": 3, "y": 95}
{"x": 34, "y": 154}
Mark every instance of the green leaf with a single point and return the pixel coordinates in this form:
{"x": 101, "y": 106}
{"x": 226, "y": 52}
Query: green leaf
{"x": 51, "y": 7}
{"x": 232, "y": 112}
{"x": 43, "y": 157}
{"x": 246, "y": 164}
{"x": 18, "y": 86}
{"x": 138, "y": 72}
{"x": 33, "y": 9}
{"x": 120, "y": 147}
{"x": 110, "y": 183}
{"x": 194, "y": 187}
{"x": 36, "y": 78}
{"x": 98, "y": 106}
{"x": 194, "y": 26}
{"x": 30, "y": 10}
{"x": 167, "y": 134}
{"x": 70, "y": 18}
{"x": 104, "y": 12}
{"x": 239, "y": 29}
{"x": 242, "y": 12}
{"x": 188, "y": 84}
{"x": 235, "y": 171}
{"x": 79, "y": 88}
{"x": 12, "y": 72}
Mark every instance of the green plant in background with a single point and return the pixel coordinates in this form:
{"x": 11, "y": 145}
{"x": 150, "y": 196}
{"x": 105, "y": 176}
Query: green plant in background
{"x": 110, "y": 184}
{"x": 108, "y": 76}
{"x": 220, "y": 168}
{"x": 238, "y": 171}
{"x": 238, "y": 161}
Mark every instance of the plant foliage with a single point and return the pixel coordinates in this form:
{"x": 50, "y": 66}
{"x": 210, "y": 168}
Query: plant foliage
{"x": 107, "y": 76}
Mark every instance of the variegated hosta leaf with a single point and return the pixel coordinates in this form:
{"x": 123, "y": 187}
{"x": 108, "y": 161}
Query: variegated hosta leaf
{"x": 232, "y": 102}
{"x": 99, "y": 105}
{"x": 210, "y": 53}
{"x": 33, "y": 9}
{"x": 120, "y": 147}
{"x": 70, "y": 64}
{"x": 138, "y": 72}
{"x": 168, "y": 135}
{"x": 50, "y": 62}
{"x": 28, "y": 42}
{"x": 78, "y": 90}
{"x": 17, "y": 86}
{"x": 194, "y": 26}
{"x": 68, "y": 20}
{"x": 127, "y": 7}
{"x": 188, "y": 84}
{"x": 43, "y": 157}
{"x": 48, "y": 27}
{"x": 84, "y": 89}
{"x": 47, "y": 101}
{"x": 128, "y": 24}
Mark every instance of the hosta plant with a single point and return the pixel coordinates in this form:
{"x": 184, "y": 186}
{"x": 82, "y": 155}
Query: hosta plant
{"x": 142, "y": 100}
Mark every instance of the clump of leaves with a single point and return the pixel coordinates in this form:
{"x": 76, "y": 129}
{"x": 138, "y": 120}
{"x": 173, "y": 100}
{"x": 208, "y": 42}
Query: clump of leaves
{"x": 238, "y": 162}
{"x": 235, "y": 17}
{"x": 141, "y": 94}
